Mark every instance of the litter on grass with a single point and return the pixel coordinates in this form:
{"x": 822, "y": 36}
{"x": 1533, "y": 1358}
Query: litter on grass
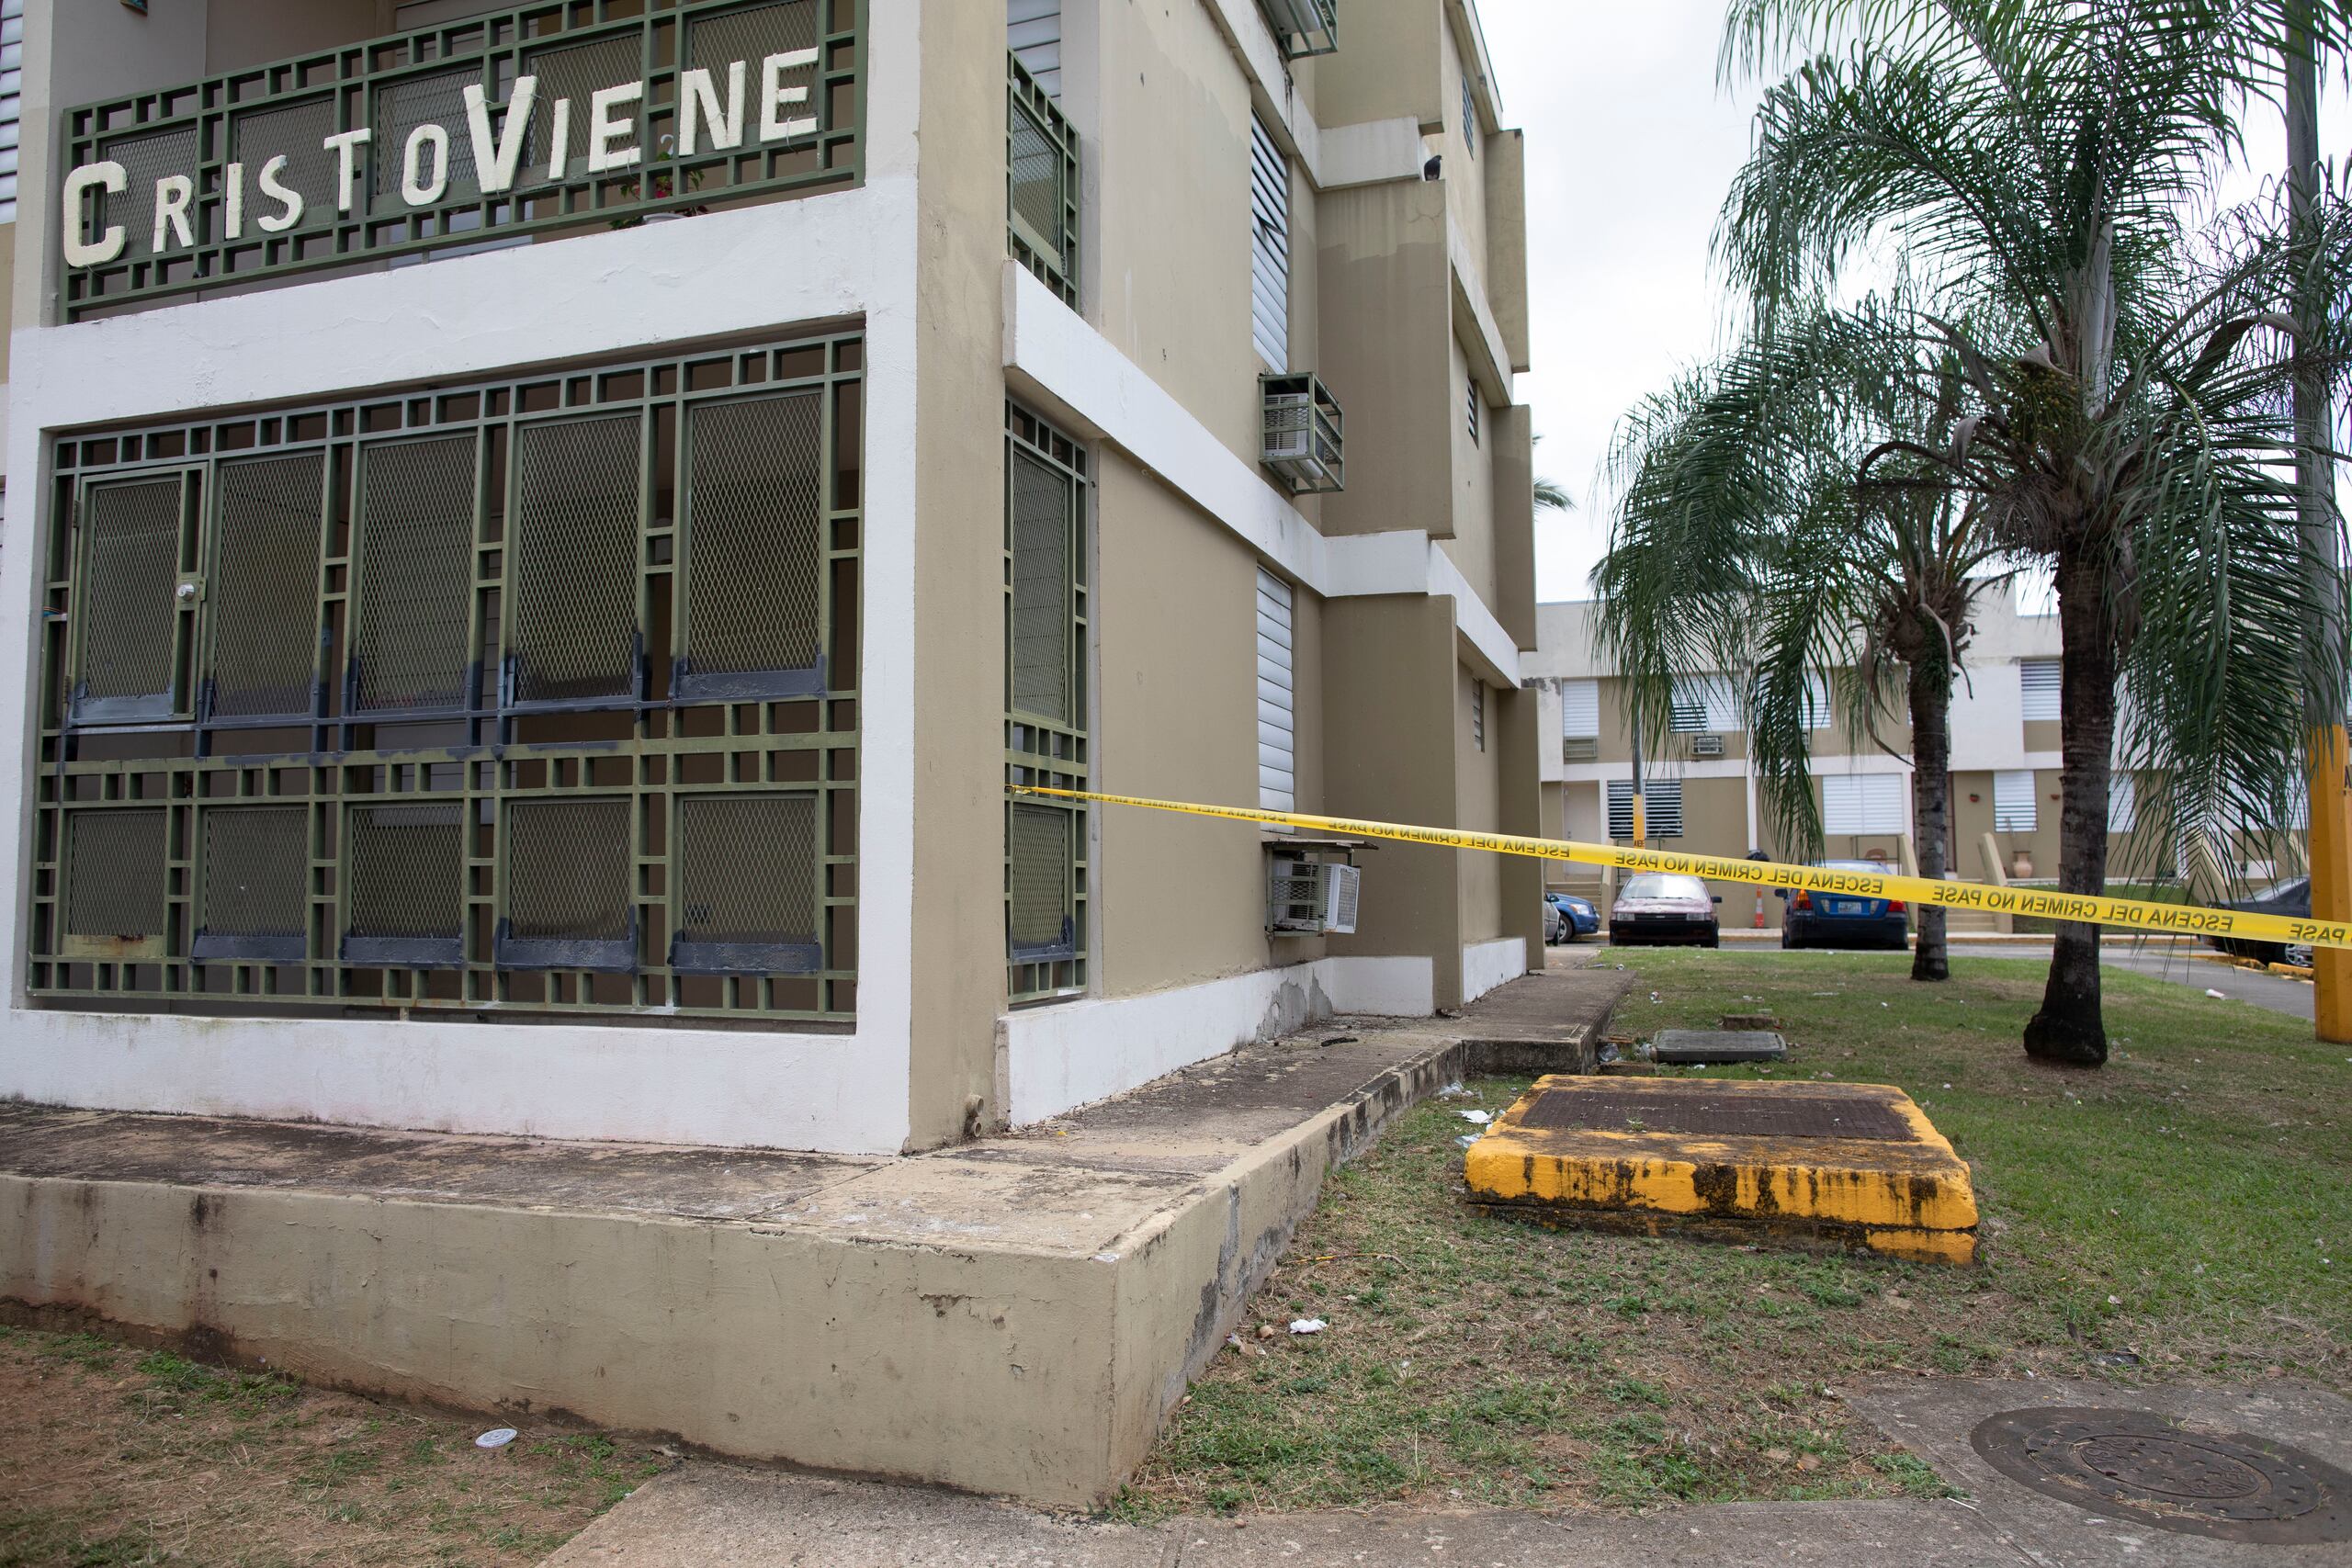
{"x": 496, "y": 1438}
{"x": 1307, "y": 1326}
{"x": 2217, "y": 996}
{"x": 1480, "y": 1117}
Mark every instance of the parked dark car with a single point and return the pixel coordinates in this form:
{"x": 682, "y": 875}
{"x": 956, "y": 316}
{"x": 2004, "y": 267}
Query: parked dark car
{"x": 1577, "y": 916}
{"x": 1660, "y": 907}
{"x": 1840, "y": 920}
{"x": 2292, "y": 899}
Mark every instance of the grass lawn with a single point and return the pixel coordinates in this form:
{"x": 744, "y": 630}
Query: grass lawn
{"x": 2184, "y": 1213}
{"x": 112, "y": 1457}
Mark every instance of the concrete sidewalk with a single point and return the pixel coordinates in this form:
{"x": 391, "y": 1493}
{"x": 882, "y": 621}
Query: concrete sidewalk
{"x": 715, "y": 1513}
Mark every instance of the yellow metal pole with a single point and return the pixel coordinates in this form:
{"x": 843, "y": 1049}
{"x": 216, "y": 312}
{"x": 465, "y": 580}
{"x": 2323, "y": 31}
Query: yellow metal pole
{"x": 2330, "y": 857}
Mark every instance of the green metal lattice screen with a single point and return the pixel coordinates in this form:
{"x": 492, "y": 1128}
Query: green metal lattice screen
{"x": 1046, "y": 624}
{"x": 212, "y": 131}
{"x": 1040, "y": 182}
{"x": 451, "y": 750}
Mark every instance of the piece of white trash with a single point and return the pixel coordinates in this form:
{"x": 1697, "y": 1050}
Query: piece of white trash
{"x": 496, "y": 1438}
{"x": 2217, "y": 996}
{"x": 1307, "y": 1326}
{"x": 1480, "y": 1117}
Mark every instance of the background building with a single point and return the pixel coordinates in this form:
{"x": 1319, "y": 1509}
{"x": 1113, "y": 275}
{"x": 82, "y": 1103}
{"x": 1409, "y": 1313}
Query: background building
{"x": 1700, "y": 794}
{"x": 527, "y": 614}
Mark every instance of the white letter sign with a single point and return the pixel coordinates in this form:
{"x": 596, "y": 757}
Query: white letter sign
{"x": 107, "y": 176}
{"x": 173, "y": 193}
{"x": 603, "y": 129}
{"x": 774, "y": 94}
{"x": 495, "y": 161}
{"x": 275, "y": 189}
{"x": 699, "y": 103}
{"x": 417, "y": 188}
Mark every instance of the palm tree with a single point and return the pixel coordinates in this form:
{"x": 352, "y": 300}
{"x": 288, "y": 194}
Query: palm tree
{"x": 1747, "y": 467}
{"x": 2126, "y": 369}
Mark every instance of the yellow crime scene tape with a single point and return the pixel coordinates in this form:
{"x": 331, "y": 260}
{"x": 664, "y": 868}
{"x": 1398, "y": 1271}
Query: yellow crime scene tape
{"x": 2177, "y": 918}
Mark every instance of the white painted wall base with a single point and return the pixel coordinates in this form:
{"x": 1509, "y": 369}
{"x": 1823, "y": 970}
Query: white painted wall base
{"x": 1076, "y": 1053}
{"x": 1486, "y": 965}
{"x": 726, "y": 1088}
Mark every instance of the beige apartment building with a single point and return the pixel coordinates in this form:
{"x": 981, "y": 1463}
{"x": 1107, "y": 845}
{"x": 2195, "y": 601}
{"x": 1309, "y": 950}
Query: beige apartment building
{"x": 1700, "y": 795}
{"x": 538, "y": 536}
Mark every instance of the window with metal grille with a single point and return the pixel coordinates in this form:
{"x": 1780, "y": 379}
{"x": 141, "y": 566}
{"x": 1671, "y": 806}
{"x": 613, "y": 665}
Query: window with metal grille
{"x": 567, "y": 877}
{"x": 574, "y": 632}
{"x": 2013, "y": 805}
{"x": 472, "y": 841}
{"x": 1277, "y": 699}
{"x": 1477, "y": 713}
{"x": 256, "y": 882}
{"x": 755, "y": 548}
{"x": 1817, "y": 709}
{"x": 130, "y": 630}
{"x": 1863, "y": 803}
{"x": 406, "y": 905}
{"x": 115, "y": 886}
{"x": 749, "y": 870}
{"x": 1041, "y": 182}
{"x": 1469, "y": 117}
{"x": 1045, "y": 739}
{"x": 413, "y": 648}
{"x": 263, "y": 587}
{"x": 2038, "y": 689}
{"x": 1033, "y": 30}
{"x": 1470, "y": 406}
{"x": 1269, "y": 247}
{"x": 1661, "y": 808}
{"x": 12, "y": 77}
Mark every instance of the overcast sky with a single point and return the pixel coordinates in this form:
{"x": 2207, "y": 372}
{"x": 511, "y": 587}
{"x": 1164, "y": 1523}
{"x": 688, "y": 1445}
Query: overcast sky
{"x": 1631, "y": 145}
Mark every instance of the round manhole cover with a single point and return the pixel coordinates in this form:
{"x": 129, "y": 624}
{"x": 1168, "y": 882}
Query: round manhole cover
{"x": 2136, "y": 1465}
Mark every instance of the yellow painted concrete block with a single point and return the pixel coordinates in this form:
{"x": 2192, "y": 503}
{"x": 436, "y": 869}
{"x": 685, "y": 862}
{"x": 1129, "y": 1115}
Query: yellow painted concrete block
{"x": 1853, "y": 1164}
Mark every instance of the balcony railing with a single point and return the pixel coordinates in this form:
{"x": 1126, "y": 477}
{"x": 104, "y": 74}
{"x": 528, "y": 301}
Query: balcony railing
{"x": 1041, "y": 183}
{"x": 564, "y": 114}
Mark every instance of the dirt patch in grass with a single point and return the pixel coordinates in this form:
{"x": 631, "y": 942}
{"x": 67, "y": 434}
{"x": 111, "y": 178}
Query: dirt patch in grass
{"x": 112, "y": 1457}
{"x": 2180, "y": 1214}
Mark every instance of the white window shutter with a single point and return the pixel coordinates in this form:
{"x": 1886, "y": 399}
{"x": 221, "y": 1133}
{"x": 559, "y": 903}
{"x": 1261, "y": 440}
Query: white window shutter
{"x": 1269, "y": 247}
{"x": 1581, "y": 709}
{"x": 2123, "y": 803}
{"x": 1705, "y": 703}
{"x": 2013, "y": 801}
{"x": 12, "y": 57}
{"x": 1862, "y": 804}
{"x": 1277, "y": 708}
{"x": 2038, "y": 690}
{"x": 1033, "y": 30}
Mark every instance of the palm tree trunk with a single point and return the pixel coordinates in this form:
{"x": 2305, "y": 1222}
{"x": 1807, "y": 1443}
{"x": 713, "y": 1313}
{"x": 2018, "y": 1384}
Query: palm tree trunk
{"x": 2069, "y": 1029}
{"x": 1932, "y": 804}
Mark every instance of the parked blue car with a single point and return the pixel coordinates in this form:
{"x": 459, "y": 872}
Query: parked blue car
{"x": 1832, "y": 919}
{"x": 1577, "y": 916}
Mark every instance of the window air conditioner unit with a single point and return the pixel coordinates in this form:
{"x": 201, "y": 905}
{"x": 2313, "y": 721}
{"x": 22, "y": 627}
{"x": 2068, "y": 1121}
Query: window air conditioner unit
{"x": 1310, "y": 898}
{"x": 1305, "y": 27}
{"x": 1580, "y": 748}
{"x": 1301, "y": 433}
{"x": 1706, "y": 746}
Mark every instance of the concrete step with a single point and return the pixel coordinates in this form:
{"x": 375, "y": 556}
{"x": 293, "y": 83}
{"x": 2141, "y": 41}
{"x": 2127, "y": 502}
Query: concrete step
{"x": 1013, "y": 1315}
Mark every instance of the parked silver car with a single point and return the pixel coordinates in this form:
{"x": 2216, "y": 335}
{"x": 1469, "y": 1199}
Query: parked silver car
{"x": 1664, "y": 906}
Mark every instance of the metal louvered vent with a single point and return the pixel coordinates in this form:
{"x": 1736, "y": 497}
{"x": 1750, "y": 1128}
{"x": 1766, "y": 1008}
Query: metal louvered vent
{"x": 754, "y": 550}
{"x": 114, "y": 882}
{"x": 407, "y": 868}
{"x": 312, "y": 172}
{"x": 747, "y": 885}
{"x": 1041, "y": 631}
{"x": 265, "y": 586}
{"x": 401, "y": 108}
{"x": 574, "y": 634}
{"x": 1039, "y": 914}
{"x": 1037, "y": 187}
{"x": 146, "y": 160}
{"x": 130, "y": 619}
{"x": 416, "y": 526}
{"x": 577, "y": 72}
{"x": 568, "y": 886}
{"x": 256, "y": 884}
